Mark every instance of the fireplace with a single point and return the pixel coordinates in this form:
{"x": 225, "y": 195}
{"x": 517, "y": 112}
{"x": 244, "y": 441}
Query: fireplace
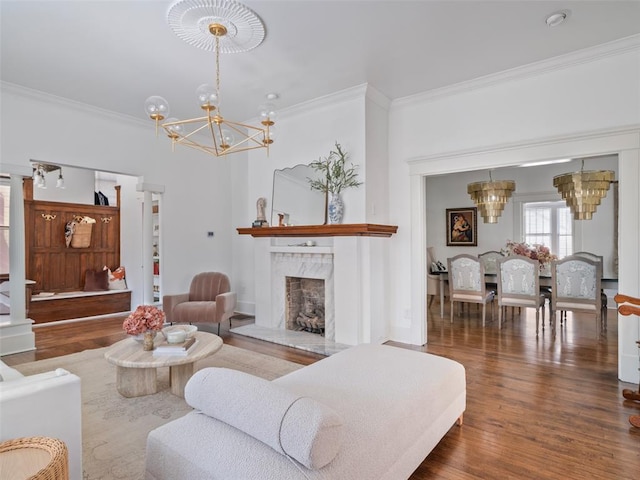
{"x": 304, "y": 307}
{"x": 354, "y": 265}
{"x": 302, "y": 296}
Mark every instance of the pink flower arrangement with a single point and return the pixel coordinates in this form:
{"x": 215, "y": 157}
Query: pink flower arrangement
{"x": 534, "y": 252}
{"x": 145, "y": 317}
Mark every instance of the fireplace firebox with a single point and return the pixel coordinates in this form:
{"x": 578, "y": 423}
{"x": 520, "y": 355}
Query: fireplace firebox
{"x": 305, "y": 304}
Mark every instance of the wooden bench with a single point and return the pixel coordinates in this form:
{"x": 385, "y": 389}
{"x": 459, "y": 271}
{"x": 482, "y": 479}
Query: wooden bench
{"x": 71, "y": 305}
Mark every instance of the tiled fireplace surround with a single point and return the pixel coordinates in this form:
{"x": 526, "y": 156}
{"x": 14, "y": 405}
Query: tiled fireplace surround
{"x": 354, "y": 270}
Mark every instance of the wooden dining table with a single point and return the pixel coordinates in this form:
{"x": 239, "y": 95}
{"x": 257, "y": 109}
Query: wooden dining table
{"x": 492, "y": 279}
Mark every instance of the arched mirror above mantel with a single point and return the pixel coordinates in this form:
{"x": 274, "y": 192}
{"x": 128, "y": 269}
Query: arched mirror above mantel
{"x": 293, "y": 200}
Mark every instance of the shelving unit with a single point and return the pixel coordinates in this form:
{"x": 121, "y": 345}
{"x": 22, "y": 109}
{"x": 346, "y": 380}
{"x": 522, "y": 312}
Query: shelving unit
{"x": 156, "y": 252}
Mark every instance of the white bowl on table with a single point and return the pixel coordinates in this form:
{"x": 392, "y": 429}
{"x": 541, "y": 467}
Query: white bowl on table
{"x": 179, "y": 333}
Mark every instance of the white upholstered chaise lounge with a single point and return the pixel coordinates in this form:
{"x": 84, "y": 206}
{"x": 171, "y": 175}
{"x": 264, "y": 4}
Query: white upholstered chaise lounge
{"x": 369, "y": 412}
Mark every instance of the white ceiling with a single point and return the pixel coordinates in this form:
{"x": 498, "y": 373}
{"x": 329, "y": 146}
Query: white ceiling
{"x": 114, "y": 54}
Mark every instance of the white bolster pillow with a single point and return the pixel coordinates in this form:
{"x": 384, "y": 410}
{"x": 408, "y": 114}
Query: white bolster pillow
{"x": 297, "y": 426}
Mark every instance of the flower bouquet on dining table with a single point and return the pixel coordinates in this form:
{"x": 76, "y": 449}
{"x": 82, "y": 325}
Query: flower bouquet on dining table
{"x": 536, "y": 251}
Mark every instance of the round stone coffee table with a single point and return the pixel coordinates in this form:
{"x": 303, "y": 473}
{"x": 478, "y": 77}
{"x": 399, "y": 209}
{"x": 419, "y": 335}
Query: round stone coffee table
{"x": 137, "y": 370}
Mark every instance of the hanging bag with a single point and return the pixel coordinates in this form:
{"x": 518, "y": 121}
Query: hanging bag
{"x": 81, "y": 229}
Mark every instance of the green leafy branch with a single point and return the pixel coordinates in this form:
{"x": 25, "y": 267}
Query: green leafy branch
{"x": 336, "y": 176}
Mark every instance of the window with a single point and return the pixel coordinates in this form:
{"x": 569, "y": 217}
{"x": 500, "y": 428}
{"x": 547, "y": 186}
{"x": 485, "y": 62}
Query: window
{"x": 4, "y": 227}
{"x": 549, "y": 224}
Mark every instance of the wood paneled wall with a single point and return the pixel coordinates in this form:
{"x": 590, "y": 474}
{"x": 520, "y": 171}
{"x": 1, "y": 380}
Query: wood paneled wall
{"x": 49, "y": 262}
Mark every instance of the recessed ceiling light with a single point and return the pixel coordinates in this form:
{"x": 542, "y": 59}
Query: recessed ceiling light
{"x": 557, "y": 18}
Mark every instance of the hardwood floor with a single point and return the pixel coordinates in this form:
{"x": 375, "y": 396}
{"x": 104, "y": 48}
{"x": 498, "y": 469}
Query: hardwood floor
{"x": 536, "y": 408}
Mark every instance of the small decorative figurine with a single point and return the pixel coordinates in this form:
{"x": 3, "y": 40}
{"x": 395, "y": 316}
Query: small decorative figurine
{"x": 261, "y": 219}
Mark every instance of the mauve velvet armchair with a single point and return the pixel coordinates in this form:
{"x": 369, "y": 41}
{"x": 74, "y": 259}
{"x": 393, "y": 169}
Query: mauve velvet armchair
{"x": 209, "y": 301}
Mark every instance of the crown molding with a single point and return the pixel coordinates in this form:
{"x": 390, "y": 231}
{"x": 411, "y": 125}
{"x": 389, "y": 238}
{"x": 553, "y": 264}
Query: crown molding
{"x": 501, "y": 154}
{"x": 378, "y": 97}
{"x": 561, "y": 62}
{"x": 358, "y": 92}
{"x": 346, "y": 95}
{"x": 65, "y": 102}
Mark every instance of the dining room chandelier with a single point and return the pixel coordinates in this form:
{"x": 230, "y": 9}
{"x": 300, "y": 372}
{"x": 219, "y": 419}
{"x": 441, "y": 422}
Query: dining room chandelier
{"x": 491, "y": 197}
{"x": 584, "y": 190}
{"x": 221, "y": 26}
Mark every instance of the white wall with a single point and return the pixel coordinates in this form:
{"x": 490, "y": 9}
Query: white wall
{"x": 131, "y": 237}
{"x": 503, "y": 123}
{"x": 572, "y": 97}
{"x": 242, "y": 245}
{"x": 377, "y": 155}
{"x": 305, "y": 133}
{"x": 197, "y": 191}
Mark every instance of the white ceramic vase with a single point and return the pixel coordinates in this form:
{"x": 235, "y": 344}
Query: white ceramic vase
{"x": 336, "y": 208}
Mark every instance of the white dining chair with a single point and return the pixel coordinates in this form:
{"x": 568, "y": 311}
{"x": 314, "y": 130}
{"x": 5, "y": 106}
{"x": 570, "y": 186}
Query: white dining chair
{"x": 466, "y": 283}
{"x": 519, "y": 286}
{"x": 603, "y": 296}
{"x": 490, "y": 260}
{"x": 576, "y": 287}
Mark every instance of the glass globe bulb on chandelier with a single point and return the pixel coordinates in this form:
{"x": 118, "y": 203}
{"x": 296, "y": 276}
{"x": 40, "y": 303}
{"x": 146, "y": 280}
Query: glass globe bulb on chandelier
{"x": 218, "y": 18}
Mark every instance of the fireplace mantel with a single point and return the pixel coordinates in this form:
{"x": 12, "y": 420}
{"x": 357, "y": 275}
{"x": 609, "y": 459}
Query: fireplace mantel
{"x": 344, "y": 229}
{"x": 352, "y": 259}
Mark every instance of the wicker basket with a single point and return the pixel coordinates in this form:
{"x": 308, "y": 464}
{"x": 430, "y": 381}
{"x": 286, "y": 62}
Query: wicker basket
{"x": 58, "y": 466}
{"x": 81, "y": 237}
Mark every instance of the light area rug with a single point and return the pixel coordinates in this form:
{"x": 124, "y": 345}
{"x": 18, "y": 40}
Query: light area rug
{"x": 115, "y": 428}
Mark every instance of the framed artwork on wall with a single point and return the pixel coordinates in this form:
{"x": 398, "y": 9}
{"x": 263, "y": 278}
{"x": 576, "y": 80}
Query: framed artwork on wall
{"x": 462, "y": 227}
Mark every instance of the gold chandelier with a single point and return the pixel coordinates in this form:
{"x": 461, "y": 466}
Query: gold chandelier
{"x": 491, "y": 197}
{"x": 189, "y": 21}
{"x": 584, "y": 190}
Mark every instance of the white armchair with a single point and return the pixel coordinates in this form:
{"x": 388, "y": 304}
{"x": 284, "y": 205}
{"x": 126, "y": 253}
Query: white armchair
{"x": 43, "y": 405}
